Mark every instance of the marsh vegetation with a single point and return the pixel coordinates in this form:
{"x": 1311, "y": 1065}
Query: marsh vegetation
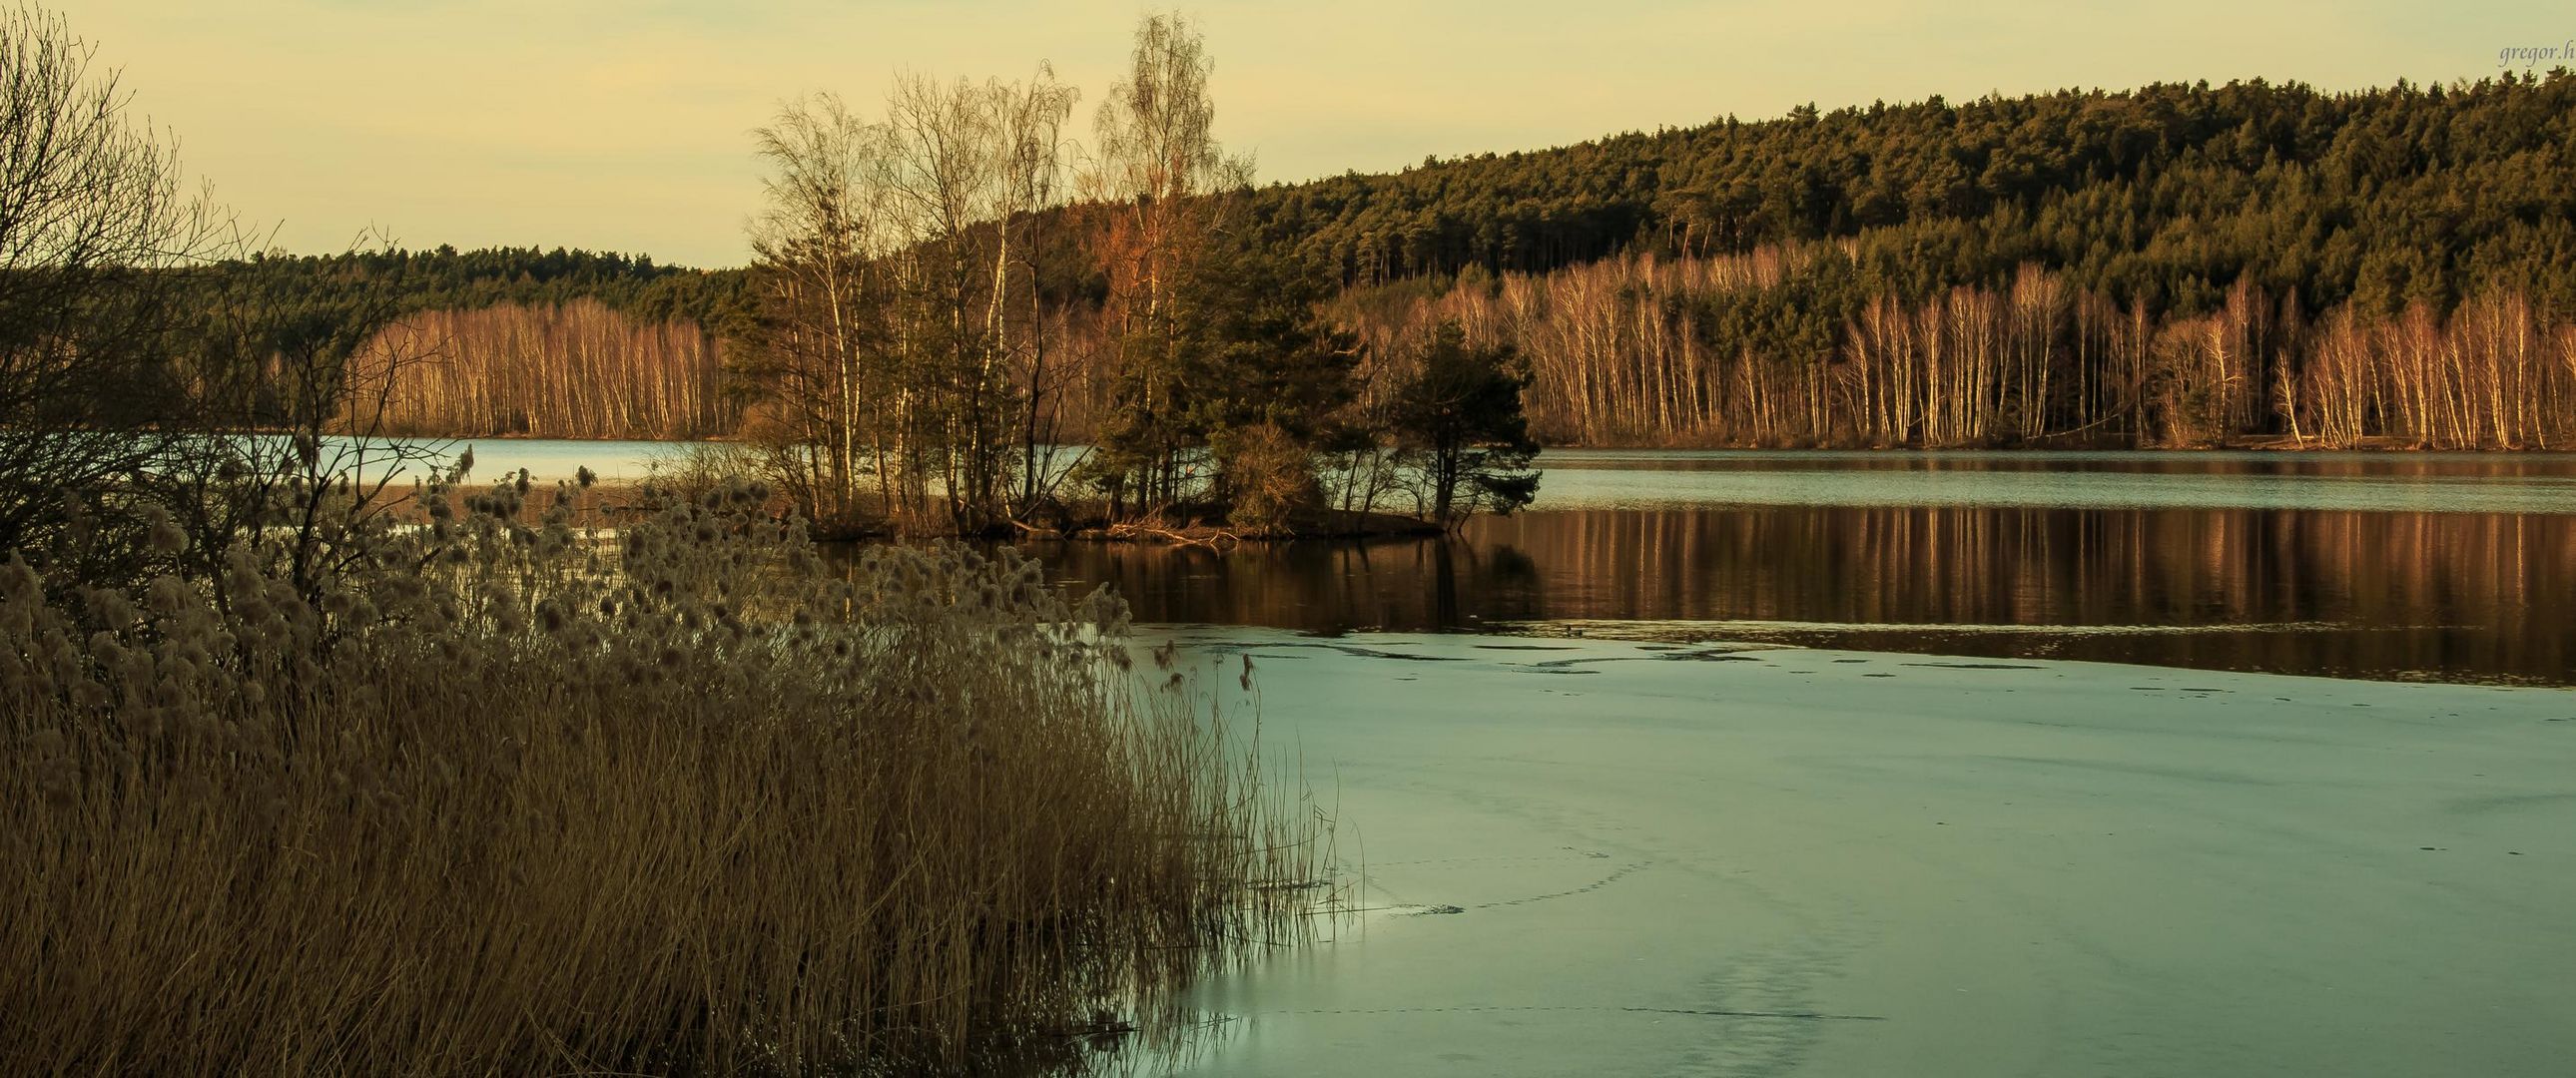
{"x": 501, "y": 799}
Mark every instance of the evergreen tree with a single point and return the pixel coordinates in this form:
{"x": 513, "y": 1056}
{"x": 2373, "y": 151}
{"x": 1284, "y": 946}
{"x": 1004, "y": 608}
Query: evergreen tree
{"x": 1459, "y": 416}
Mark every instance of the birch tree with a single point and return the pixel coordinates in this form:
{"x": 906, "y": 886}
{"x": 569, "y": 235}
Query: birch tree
{"x": 1158, "y": 163}
{"x": 831, "y": 409}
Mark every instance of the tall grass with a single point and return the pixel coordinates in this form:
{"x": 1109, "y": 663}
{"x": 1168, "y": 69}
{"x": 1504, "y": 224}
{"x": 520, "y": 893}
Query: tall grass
{"x": 516, "y": 800}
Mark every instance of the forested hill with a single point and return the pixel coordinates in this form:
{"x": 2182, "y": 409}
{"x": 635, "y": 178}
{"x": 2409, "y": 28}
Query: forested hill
{"x": 2162, "y": 195}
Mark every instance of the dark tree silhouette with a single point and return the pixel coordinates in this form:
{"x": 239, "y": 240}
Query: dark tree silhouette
{"x": 95, "y": 222}
{"x": 1459, "y": 416}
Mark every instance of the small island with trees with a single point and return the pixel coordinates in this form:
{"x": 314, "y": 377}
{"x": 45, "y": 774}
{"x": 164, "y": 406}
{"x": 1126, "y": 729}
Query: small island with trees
{"x": 937, "y": 291}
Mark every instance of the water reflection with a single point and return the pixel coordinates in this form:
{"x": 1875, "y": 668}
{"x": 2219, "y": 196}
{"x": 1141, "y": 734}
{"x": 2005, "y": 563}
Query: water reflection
{"x": 2487, "y": 597}
{"x": 2425, "y": 482}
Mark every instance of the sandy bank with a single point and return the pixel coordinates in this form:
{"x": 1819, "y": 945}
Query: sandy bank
{"x": 1688, "y": 861}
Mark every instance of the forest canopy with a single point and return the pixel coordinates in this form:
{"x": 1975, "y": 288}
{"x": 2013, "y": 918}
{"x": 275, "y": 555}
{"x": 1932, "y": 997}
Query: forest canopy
{"x": 2166, "y": 194}
{"x": 2182, "y": 253}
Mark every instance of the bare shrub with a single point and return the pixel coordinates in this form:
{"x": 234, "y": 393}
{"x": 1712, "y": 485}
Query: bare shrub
{"x": 1272, "y": 478}
{"x": 700, "y": 469}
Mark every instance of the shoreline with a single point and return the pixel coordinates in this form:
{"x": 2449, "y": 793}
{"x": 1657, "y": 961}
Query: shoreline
{"x": 2266, "y": 444}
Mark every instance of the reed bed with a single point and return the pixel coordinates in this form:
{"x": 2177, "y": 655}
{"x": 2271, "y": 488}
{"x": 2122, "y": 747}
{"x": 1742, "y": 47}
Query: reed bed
{"x": 514, "y": 800}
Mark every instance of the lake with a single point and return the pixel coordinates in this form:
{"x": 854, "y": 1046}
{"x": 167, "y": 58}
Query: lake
{"x": 1690, "y": 853}
{"x": 2433, "y": 566}
{"x": 2430, "y": 567}
{"x": 1591, "y": 816}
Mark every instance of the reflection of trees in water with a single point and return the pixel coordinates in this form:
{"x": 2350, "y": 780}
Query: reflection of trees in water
{"x": 1317, "y": 585}
{"x": 2385, "y": 594}
{"x": 2346, "y": 593}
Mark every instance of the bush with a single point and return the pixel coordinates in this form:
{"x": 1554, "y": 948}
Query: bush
{"x": 536, "y": 801}
{"x": 1271, "y": 477}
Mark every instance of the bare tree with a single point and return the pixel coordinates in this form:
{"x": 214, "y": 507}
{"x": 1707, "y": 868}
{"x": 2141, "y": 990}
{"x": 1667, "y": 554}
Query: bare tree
{"x": 1031, "y": 127}
{"x": 818, "y": 353}
{"x": 96, "y": 222}
{"x": 288, "y": 456}
{"x": 904, "y": 329}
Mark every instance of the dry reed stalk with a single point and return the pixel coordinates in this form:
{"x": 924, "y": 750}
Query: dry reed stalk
{"x": 524, "y": 803}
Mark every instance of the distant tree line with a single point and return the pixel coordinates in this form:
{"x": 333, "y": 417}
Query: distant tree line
{"x": 1800, "y": 347}
{"x": 573, "y": 369}
{"x": 446, "y": 279}
{"x": 2172, "y": 265}
{"x": 504, "y": 341}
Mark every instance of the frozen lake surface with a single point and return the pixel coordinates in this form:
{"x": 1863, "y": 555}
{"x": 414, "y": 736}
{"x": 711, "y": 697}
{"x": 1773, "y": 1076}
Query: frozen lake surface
{"x": 1712, "y": 861}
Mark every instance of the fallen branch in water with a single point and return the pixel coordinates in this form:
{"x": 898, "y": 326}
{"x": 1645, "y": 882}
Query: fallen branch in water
{"x": 1133, "y": 530}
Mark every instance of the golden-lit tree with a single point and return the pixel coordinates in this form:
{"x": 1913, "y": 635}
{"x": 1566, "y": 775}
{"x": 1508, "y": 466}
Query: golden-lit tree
{"x": 575, "y": 370}
{"x": 1153, "y": 180}
{"x": 1629, "y": 351}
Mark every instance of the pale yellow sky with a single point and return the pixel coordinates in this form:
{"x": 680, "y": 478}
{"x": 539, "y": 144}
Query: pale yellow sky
{"x": 624, "y": 126}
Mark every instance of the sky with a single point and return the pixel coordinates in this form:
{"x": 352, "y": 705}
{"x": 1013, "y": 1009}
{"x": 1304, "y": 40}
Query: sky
{"x": 625, "y": 124}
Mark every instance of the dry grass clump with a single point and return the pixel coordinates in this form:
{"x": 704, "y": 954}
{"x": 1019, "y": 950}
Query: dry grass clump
{"x": 529, "y": 801}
